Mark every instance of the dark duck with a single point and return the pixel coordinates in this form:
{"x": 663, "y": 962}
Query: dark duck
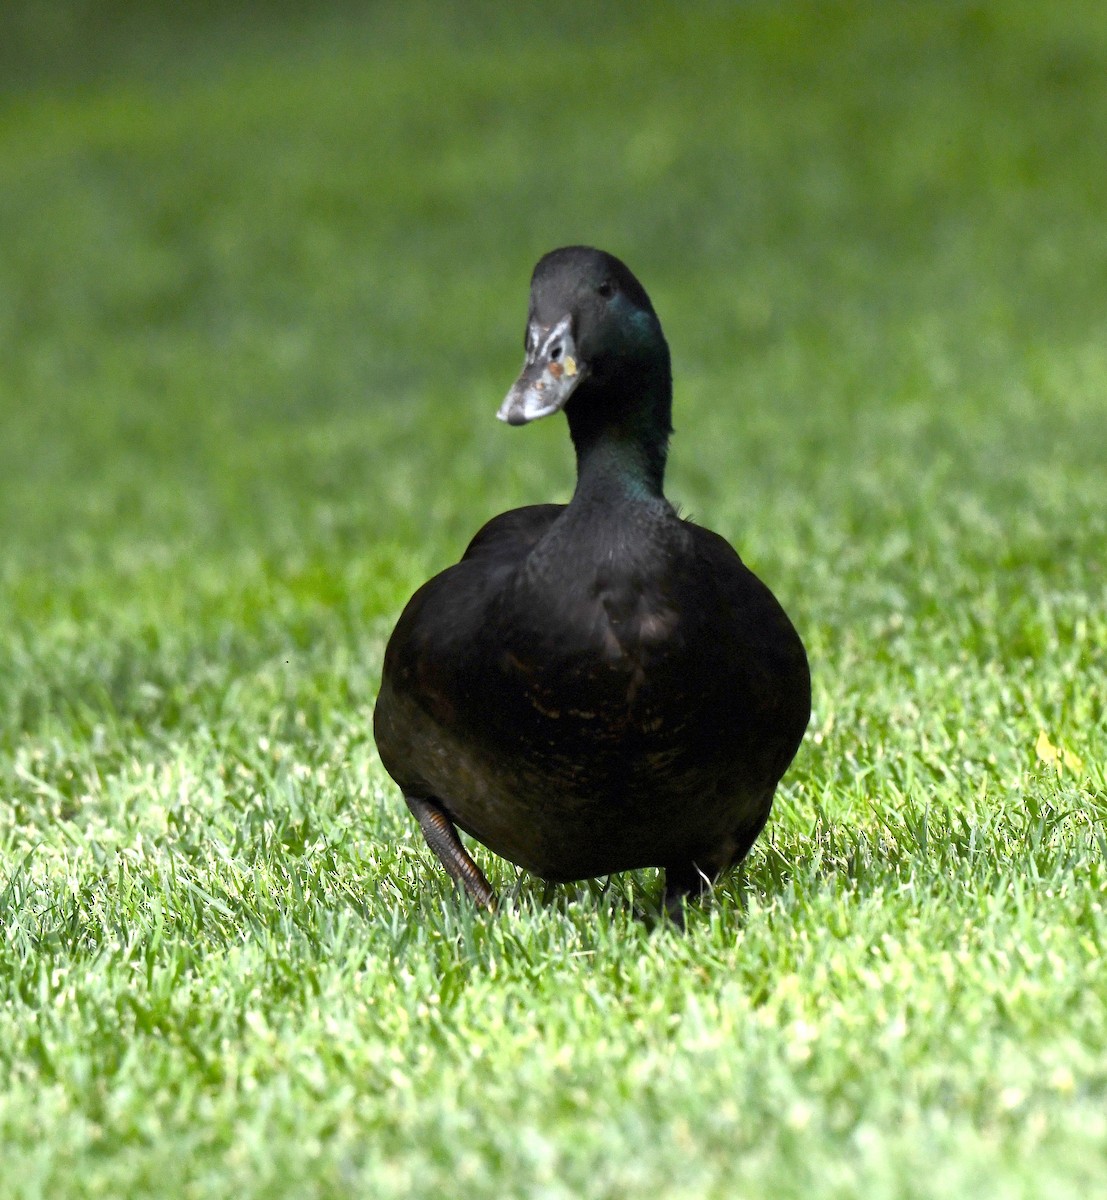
{"x": 601, "y": 685}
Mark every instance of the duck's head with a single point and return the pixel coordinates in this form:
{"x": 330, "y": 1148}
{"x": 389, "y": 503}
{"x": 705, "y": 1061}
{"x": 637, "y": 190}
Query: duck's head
{"x": 592, "y": 338}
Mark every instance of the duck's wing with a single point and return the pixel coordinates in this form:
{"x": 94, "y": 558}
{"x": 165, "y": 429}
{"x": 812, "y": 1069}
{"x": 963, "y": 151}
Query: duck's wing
{"x": 759, "y": 653}
{"x": 505, "y": 540}
{"x": 445, "y": 613}
{"x": 431, "y": 664}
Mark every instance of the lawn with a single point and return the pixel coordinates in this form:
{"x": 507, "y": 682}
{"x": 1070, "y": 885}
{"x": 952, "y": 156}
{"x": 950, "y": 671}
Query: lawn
{"x": 263, "y": 275}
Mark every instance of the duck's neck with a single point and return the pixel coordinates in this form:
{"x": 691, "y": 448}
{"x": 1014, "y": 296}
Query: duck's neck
{"x": 621, "y": 437}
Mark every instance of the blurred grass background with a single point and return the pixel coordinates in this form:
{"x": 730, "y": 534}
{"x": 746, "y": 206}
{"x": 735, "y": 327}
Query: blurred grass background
{"x": 263, "y": 276}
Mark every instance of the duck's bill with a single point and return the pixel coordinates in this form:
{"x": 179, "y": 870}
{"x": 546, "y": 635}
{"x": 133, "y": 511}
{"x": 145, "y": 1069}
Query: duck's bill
{"x": 550, "y": 375}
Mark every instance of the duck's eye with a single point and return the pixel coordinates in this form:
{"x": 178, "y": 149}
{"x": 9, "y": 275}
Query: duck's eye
{"x": 606, "y": 289}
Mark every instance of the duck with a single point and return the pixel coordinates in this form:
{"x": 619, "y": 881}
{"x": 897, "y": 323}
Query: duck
{"x": 599, "y": 686}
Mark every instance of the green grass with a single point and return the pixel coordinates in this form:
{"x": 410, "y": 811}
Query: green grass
{"x": 262, "y": 287}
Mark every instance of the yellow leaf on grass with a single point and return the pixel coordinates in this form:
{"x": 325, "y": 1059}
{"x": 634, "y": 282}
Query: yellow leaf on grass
{"x": 1045, "y": 749}
{"x": 1056, "y": 756}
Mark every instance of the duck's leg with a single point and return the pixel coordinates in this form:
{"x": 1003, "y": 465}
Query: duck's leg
{"x": 689, "y": 880}
{"x": 686, "y": 881}
{"x": 442, "y": 838}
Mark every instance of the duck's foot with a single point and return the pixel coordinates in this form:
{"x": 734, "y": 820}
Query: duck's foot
{"x": 442, "y": 838}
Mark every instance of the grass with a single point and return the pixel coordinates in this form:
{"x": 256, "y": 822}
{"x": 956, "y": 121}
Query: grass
{"x": 262, "y": 287}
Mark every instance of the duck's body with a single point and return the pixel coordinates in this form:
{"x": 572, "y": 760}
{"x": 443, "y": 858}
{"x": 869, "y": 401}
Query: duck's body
{"x": 596, "y": 686}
